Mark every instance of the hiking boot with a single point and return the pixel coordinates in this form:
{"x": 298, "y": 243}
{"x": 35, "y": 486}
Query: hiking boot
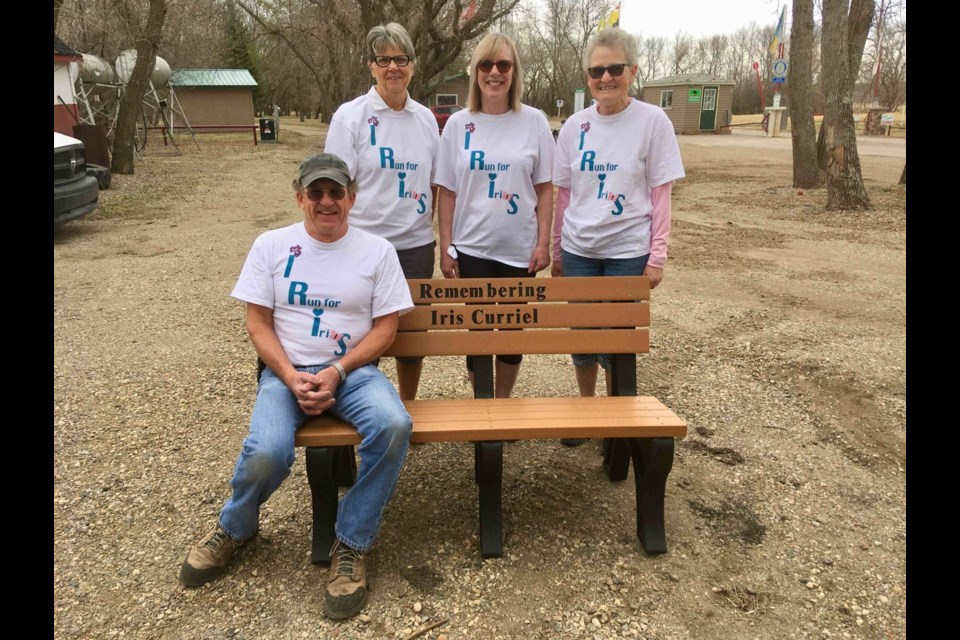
{"x": 208, "y": 558}
{"x": 346, "y": 583}
{"x": 572, "y": 442}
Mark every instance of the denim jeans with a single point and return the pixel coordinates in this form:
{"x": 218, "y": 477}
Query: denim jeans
{"x": 574, "y": 265}
{"x": 368, "y": 401}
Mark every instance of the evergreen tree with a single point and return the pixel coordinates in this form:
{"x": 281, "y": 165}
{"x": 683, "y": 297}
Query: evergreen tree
{"x": 241, "y": 50}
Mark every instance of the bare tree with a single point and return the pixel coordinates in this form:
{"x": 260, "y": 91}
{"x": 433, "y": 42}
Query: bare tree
{"x": 327, "y": 36}
{"x": 653, "y": 52}
{"x": 806, "y": 171}
{"x": 681, "y": 53}
{"x": 844, "y": 35}
{"x": 716, "y": 48}
{"x": 148, "y": 41}
{"x": 56, "y": 13}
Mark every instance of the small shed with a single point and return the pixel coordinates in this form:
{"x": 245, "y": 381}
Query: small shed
{"x": 695, "y": 102}
{"x": 214, "y": 96}
{"x": 452, "y": 90}
{"x": 66, "y": 66}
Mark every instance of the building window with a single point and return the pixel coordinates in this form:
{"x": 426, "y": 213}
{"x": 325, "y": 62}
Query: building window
{"x": 446, "y": 98}
{"x": 666, "y": 99}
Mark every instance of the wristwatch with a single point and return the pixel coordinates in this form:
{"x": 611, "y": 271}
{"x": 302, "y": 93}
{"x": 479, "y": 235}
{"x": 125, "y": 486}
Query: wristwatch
{"x": 339, "y": 368}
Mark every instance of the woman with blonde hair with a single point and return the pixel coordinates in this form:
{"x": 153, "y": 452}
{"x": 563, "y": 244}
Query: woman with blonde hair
{"x": 494, "y": 169}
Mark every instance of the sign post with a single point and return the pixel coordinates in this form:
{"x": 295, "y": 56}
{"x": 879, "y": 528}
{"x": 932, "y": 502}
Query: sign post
{"x": 559, "y": 106}
{"x": 578, "y": 100}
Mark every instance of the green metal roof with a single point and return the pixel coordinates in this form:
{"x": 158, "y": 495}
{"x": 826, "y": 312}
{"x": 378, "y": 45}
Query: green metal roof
{"x": 212, "y": 78}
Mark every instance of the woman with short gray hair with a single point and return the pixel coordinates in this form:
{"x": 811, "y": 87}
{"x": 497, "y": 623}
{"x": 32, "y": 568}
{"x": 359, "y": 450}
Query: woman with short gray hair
{"x": 389, "y": 142}
{"x": 614, "y": 168}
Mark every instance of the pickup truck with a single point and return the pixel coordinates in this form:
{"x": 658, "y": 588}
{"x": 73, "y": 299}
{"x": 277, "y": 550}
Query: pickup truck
{"x": 75, "y": 191}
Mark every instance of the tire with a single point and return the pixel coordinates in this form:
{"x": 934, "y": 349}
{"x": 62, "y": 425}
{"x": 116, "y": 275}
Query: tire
{"x": 102, "y": 175}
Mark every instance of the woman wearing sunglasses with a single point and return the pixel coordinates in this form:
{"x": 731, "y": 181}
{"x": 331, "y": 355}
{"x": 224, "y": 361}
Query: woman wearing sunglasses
{"x": 615, "y": 166}
{"x": 389, "y": 142}
{"x": 493, "y": 170}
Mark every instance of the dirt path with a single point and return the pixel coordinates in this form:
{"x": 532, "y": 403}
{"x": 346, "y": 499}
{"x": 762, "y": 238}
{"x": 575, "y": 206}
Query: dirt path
{"x": 779, "y": 333}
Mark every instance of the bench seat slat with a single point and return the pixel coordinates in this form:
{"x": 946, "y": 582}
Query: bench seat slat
{"x": 479, "y": 343}
{"x": 498, "y": 419}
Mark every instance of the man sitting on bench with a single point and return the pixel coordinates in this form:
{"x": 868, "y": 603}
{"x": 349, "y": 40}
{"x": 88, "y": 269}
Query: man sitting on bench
{"x": 323, "y": 301}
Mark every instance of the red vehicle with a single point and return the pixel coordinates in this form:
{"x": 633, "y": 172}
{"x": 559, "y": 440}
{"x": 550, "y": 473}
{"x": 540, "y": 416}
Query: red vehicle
{"x": 443, "y": 112}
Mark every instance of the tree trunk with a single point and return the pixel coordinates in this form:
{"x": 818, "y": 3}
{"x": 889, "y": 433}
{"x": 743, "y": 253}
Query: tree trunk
{"x": 903, "y": 176}
{"x": 131, "y": 102}
{"x": 845, "y": 188}
{"x": 806, "y": 171}
{"x": 858, "y": 28}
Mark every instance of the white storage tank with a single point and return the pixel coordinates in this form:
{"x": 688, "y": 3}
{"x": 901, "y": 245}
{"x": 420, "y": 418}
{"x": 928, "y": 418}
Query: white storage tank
{"x": 128, "y": 59}
{"x": 94, "y": 70}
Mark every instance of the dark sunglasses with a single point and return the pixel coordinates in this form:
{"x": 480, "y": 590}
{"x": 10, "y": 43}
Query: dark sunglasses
{"x": 502, "y": 66}
{"x": 337, "y": 193}
{"x": 615, "y": 70}
{"x": 384, "y": 61}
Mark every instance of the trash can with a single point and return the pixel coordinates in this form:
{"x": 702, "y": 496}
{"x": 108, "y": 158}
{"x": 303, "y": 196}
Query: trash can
{"x": 268, "y": 131}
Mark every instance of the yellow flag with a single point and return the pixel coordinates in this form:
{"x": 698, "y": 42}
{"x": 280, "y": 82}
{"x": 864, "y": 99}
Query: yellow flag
{"x": 778, "y": 34}
{"x": 612, "y": 20}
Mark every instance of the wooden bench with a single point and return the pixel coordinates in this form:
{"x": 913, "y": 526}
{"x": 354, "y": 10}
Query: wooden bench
{"x": 454, "y": 317}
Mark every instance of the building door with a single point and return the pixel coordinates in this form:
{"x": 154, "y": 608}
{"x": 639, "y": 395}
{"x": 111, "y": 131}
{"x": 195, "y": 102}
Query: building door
{"x": 708, "y": 109}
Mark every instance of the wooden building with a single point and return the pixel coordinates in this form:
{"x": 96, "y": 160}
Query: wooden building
{"x": 452, "y": 90}
{"x": 696, "y": 103}
{"x": 214, "y": 96}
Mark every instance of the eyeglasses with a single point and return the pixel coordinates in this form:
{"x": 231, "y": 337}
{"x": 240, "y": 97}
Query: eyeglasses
{"x": 615, "y": 70}
{"x": 337, "y": 193}
{"x": 384, "y": 61}
{"x": 503, "y": 66}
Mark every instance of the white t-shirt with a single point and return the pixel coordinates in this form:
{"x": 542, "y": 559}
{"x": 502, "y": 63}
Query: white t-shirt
{"x": 610, "y": 163}
{"x": 492, "y": 162}
{"x": 391, "y": 155}
{"x": 324, "y": 295}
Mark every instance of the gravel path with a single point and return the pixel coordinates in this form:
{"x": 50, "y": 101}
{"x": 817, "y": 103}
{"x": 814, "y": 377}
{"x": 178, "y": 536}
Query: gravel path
{"x": 779, "y": 334}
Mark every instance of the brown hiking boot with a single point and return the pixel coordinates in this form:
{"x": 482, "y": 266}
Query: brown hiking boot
{"x": 208, "y": 558}
{"x": 346, "y": 583}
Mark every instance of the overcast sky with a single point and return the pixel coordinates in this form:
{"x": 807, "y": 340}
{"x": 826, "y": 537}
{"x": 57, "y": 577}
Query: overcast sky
{"x": 697, "y": 18}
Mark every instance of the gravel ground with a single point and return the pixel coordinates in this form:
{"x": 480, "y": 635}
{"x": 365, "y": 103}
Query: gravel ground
{"x": 779, "y": 334}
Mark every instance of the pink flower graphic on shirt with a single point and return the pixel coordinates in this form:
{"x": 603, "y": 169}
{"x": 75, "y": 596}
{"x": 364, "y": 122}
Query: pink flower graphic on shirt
{"x": 296, "y": 250}
{"x": 470, "y": 127}
{"x": 585, "y": 126}
{"x": 373, "y": 121}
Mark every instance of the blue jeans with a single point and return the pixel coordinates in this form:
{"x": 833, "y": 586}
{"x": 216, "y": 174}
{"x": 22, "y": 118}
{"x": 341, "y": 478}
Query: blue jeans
{"x": 368, "y": 401}
{"x": 574, "y": 265}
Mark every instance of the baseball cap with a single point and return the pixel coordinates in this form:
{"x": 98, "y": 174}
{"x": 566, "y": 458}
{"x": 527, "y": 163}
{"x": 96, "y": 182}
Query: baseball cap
{"x": 324, "y": 165}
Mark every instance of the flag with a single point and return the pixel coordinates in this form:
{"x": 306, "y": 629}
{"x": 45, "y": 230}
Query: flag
{"x": 612, "y": 20}
{"x": 778, "y": 34}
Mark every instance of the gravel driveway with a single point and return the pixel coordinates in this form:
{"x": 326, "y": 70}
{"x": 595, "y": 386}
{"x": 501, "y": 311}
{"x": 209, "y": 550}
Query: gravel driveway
{"x": 779, "y": 334}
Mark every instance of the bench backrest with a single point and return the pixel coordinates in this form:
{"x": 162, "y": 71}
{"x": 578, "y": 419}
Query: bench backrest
{"x": 454, "y": 317}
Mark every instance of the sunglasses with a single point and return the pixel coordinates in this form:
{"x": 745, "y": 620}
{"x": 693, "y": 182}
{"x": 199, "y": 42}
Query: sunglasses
{"x": 615, "y": 70}
{"x": 337, "y": 193}
{"x": 384, "y": 61}
{"x": 503, "y": 66}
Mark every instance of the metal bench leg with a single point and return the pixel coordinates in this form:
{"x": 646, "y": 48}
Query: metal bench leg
{"x": 490, "y": 471}
{"x": 345, "y": 466}
{"x": 322, "y": 475}
{"x": 652, "y": 461}
{"x": 623, "y": 382}
{"x": 616, "y": 458}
